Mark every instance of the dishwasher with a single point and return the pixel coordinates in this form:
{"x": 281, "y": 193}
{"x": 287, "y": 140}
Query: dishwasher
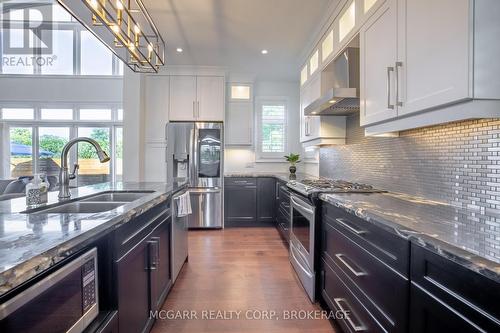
{"x": 179, "y": 236}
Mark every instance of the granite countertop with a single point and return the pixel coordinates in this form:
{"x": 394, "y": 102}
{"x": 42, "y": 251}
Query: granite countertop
{"x": 468, "y": 237}
{"x": 284, "y": 176}
{"x": 31, "y": 243}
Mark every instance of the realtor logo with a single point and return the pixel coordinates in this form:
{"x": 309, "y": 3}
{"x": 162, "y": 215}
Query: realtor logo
{"x": 26, "y": 26}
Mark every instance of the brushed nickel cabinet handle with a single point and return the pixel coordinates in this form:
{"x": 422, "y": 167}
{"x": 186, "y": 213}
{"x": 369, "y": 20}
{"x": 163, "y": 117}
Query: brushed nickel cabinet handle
{"x": 389, "y": 70}
{"x": 340, "y": 257}
{"x": 399, "y": 64}
{"x": 357, "y": 328}
{"x": 343, "y": 222}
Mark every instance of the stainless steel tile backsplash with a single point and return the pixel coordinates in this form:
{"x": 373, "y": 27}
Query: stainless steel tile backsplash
{"x": 457, "y": 162}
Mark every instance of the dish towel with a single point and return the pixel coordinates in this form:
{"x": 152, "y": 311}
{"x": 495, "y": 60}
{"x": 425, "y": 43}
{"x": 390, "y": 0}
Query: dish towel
{"x": 184, "y": 205}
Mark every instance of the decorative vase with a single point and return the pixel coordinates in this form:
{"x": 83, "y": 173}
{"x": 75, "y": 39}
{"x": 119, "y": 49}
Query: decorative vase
{"x": 293, "y": 169}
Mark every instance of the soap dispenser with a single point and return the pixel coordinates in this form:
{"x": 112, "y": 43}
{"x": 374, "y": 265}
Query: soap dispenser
{"x": 36, "y": 191}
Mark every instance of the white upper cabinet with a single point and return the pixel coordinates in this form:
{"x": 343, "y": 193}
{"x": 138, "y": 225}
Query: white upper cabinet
{"x": 314, "y": 63}
{"x": 196, "y": 98}
{"x": 434, "y": 53}
{"x": 347, "y": 21}
{"x": 156, "y": 107}
{"x": 239, "y": 124}
{"x": 210, "y": 98}
{"x": 239, "y": 115}
{"x": 182, "y": 98}
{"x": 303, "y": 75}
{"x": 327, "y": 46}
{"x": 444, "y": 67}
{"x": 378, "y": 56}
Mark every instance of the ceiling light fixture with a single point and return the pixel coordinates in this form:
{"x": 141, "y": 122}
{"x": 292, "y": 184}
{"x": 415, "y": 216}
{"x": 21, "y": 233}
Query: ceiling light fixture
{"x": 264, "y": 52}
{"x": 179, "y": 50}
{"x": 125, "y": 27}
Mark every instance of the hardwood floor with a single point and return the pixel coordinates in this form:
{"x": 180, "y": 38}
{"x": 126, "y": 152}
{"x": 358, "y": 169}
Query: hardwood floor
{"x": 238, "y": 269}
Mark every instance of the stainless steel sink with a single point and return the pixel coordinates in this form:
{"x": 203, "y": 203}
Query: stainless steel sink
{"x": 117, "y": 197}
{"x": 97, "y": 203}
{"x": 82, "y": 207}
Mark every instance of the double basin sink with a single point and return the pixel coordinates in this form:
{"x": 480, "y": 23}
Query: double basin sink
{"x": 97, "y": 203}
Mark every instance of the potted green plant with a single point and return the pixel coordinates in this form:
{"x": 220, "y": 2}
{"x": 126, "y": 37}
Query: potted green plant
{"x": 293, "y": 159}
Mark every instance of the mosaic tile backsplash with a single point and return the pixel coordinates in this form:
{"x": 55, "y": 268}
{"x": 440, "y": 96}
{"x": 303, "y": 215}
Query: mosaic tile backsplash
{"x": 458, "y": 163}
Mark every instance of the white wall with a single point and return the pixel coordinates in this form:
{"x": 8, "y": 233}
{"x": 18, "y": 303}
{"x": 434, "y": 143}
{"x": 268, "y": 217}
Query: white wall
{"x": 133, "y": 126}
{"x": 60, "y": 89}
{"x": 238, "y": 160}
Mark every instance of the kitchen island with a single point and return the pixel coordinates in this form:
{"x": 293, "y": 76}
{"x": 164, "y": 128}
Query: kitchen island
{"x": 36, "y": 243}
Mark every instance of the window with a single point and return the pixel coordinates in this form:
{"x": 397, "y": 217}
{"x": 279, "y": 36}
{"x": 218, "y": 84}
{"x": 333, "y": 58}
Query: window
{"x": 240, "y": 92}
{"x": 62, "y": 50}
{"x": 75, "y": 51}
{"x": 92, "y": 170}
{"x": 36, "y": 136}
{"x": 17, "y": 114}
{"x": 56, "y": 114}
{"x": 119, "y": 153}
{"x": 272, "y": 130}
{"x": 96, "y": 58}
{"x": 95, "y": 114}
{"x": 51, "y": 141}
{"x": 21, "y": 151}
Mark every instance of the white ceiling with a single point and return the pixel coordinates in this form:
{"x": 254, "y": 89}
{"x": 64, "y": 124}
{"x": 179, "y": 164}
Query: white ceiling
{"x": 232, "y": 33}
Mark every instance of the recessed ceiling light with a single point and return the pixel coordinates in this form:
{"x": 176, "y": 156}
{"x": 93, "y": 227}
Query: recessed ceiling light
{"x": 179, "y": 50}
{"x": 263, "y": 51}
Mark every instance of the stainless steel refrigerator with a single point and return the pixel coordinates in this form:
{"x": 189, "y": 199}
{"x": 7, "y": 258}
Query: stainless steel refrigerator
{"x": 195, "y": 150}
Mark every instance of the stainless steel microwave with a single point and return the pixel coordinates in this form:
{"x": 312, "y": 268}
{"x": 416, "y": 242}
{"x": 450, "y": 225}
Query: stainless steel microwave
{"x": 66, "y": 300}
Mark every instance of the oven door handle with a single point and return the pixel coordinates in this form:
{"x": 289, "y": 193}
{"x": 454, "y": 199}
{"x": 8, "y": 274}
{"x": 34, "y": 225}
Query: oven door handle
{"x": 292, "y": 251}
{"x": 301, "y": 206}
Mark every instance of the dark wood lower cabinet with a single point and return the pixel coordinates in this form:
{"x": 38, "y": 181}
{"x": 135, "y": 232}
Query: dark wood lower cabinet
{"x": 431, "y": 315}
{"x": 144, "y": 279}
{"x": 389, "y": 284}
{"x": 266, "y": 200}
{"x": 133, "y": 286}
{"x": 249, "y": 201}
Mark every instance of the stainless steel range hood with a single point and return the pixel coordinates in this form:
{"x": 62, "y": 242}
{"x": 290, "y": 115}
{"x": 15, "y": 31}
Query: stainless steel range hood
{"x": 342, "y": 76}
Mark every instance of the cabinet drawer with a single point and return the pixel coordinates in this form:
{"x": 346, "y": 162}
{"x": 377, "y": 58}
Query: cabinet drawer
{"x": 370, "y": 276}
{"x": 431, "y": 315}
{"x": 242, "y": 181}
{"x": 336, "y": 294}
{"x": 130, "y": 233}
{"x": 390, "y": 248}
{"x": 472, "y": 295}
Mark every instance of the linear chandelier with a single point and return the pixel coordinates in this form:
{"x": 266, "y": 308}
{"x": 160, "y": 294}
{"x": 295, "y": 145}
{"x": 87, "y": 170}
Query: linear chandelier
{"x": 125, "y": 27}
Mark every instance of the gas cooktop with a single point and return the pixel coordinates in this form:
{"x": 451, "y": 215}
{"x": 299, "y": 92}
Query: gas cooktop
{"x": 324, "y": 185}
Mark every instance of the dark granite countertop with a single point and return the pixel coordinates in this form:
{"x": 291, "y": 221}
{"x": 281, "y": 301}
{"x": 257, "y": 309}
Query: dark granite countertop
{"x": 284, "y": 176}
{"x": 31, "y": 243}
{"x": 468, "y": 237}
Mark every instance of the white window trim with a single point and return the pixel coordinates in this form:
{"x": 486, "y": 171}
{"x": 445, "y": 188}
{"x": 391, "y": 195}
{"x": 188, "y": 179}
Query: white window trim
{"x": 259, "y": 155}
{"x": 73, "y": 125}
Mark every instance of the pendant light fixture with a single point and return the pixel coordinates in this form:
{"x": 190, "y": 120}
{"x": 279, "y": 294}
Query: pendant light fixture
{"x": 125, "y": 27}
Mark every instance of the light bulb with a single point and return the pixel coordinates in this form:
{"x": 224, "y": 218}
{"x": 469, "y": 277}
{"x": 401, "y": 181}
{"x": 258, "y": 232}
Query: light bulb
{"x": 150, "y": 48}
{"x": 115, "y": 28}
{"x": 137, "y": 29}
{"x": 119, "y": 5}
{"x": 94, "y": 4}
